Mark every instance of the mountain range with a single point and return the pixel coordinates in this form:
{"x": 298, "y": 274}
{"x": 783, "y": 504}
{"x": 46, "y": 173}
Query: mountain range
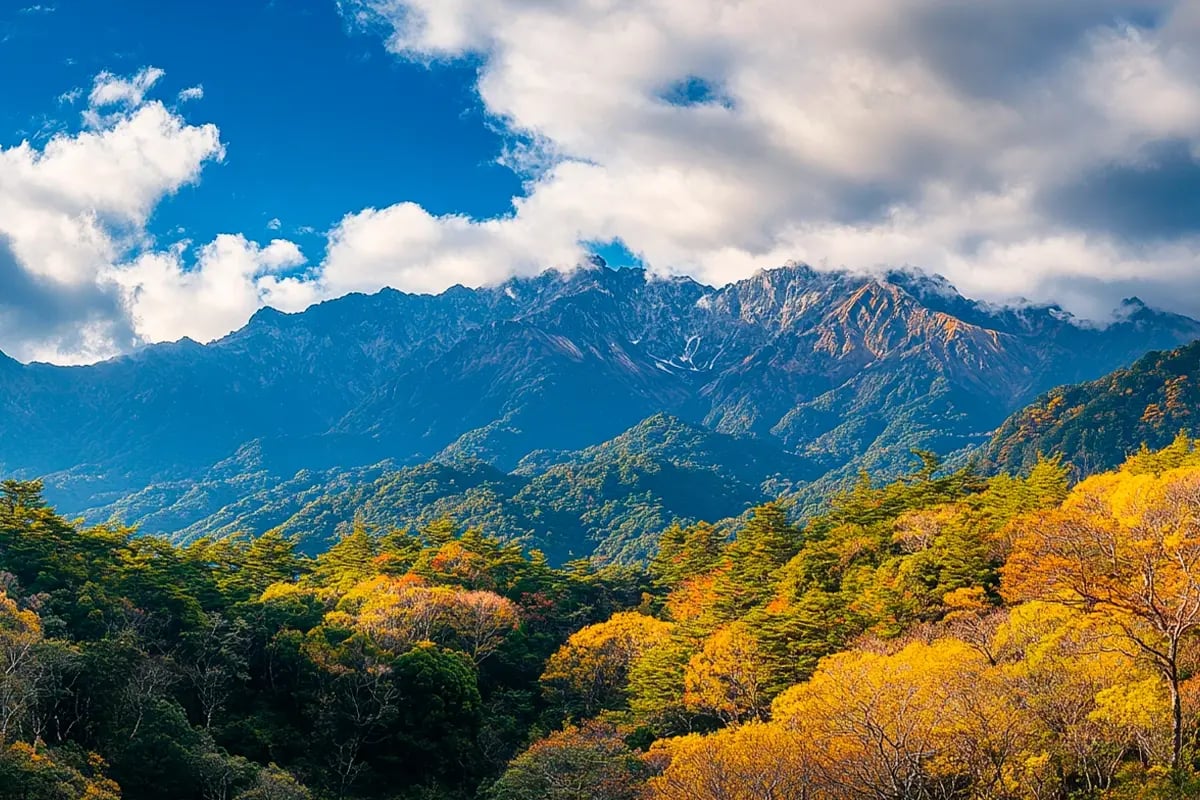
{"x": 597, "y": 404}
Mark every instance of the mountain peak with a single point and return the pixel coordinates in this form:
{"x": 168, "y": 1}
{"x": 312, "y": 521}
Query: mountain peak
{"x": 266, "y": 314}
{"x": 1134, "y": 310}
{"x": 788, "y": 272}
{"x": 923, "y": 285}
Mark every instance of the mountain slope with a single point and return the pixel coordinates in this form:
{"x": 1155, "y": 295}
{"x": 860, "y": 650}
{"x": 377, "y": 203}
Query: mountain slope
{"x": 842, "y": 370}
{"x": 1095, "y": 425}
{"x": 609, "y": 499}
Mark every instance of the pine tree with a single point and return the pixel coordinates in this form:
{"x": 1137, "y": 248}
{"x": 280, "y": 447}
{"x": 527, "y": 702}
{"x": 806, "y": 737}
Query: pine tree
{"x": 685, "y": 552}
{"x": 762, "y": 547}
{"x": 439, "y": 532}
{"x": 348, "y": 561}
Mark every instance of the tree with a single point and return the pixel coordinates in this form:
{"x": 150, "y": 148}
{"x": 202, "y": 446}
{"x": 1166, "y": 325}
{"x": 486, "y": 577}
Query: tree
{"x": 757, "y": 760}
{"x": 793, "y": 635}
{"x": 727, "y": 678}
{"x": 482, "y": 620}
{"x": 590, "y": 672}
{"x": 589, "y": 762}
{"x": 357, "y": 699}
{"x": 926, "y": 721}
{"x": 1126, "y": 547}
{"x": 685, "y": 552}
{"x": 269, "y": 558}
{"x": 36, "y": 773}
{"x": 764, "y": 544}
{"x": 348, "y": 561}
{"x": 273, "y": 783}
{"x": 656, "y": 686}
{"x": 215, "y": 663}
{"x": 20, "y": 635}
{"x": 17, "y": 497}
{"x": 1093, "y": 705}
{"x": 156, "y": 755}
{"x": 438, "y": 721}
{"x": 440, "y": 531}
{"x": 399, "y": 612}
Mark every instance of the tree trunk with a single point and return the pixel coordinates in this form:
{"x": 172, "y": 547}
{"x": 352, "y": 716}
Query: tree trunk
{"x": 1176, "y": 722}
{"x": 1172, "y": 674}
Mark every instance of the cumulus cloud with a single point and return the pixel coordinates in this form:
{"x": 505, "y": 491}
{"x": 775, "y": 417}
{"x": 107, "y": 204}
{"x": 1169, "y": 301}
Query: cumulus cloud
{"x": 81, "y": 278}
{"x": 1019, "y": 147}
{"x": 53, "y": 318}
{"x": 109, "y": 90}
{"x": 232, "y": 277}
{"x": 1049, "y": 150}
{"x": 404, "y": 246}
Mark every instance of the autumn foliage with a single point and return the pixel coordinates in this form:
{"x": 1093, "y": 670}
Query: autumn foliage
{"x": 942, "y": 637}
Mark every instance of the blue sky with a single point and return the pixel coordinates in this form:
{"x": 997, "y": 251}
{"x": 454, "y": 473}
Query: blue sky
{"x": 1028, "y": 151}
{"x": 318, "y": 119}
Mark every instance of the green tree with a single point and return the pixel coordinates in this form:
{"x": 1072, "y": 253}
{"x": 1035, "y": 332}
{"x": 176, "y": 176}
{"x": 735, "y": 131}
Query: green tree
{"x": 765, "y": 543}
{"x": 590, "y": 762}
{"x": 348, "y": 561}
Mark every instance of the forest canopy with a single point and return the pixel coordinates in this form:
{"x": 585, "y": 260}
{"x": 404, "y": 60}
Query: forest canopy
{"x": 941, "y": 636}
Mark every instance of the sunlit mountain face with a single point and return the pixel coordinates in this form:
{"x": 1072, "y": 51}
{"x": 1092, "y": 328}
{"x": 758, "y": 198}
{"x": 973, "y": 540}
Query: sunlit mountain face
{"x": 832, "y": 370}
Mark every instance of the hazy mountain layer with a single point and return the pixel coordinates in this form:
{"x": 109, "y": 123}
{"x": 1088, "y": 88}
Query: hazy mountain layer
{"x": 840, "y": 370}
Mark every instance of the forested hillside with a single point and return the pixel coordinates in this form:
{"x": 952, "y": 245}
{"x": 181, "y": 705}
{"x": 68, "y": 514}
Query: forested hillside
{"x": 398, "y": 666}
{"x": 943, "y": 636}
{"x": 609, "y": 500}
{"x": 1096, "y": 425}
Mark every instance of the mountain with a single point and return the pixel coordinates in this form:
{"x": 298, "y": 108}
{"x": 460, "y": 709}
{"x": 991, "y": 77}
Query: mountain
{"x": 842, "y": 371}
{"x": 1095, "y": 425}
{"x": 605, "y": 500}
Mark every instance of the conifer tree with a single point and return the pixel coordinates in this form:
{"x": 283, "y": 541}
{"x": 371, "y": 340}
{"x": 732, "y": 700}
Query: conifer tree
{"x": 766, "y": 542}
{"x": 348, "y": 561}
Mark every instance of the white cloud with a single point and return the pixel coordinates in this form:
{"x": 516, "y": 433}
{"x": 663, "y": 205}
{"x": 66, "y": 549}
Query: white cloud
{"x": 73, "y": 238}
{"x": 191, "y": 93}
{"x": 111, "y": 90}
{"x": 405, "y": 246}
{"x": 947, "y": 135}
{"x": 232, "y": 277}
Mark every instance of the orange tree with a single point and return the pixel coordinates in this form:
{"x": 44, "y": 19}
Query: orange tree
{"x": 1124, "y": 546}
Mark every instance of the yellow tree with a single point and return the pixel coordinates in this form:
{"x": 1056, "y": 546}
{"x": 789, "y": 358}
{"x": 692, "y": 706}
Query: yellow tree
{"x": 924, "y": 721}
{"x": 399, "y": 612}
{"x": 482, "y": 620}
{"x": 20, "y": 635}
{"x": 590, "y": 672}
{"x": 728, "y": 676}
{"x": 757, "y": 761}
{"x": 1093, "y": 703}
{"x": 1125, "y": 546}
